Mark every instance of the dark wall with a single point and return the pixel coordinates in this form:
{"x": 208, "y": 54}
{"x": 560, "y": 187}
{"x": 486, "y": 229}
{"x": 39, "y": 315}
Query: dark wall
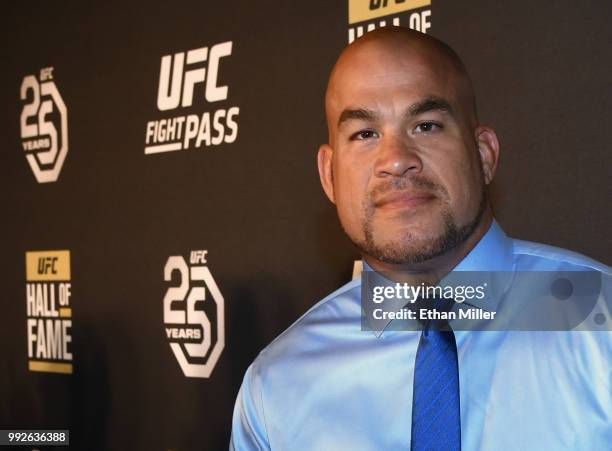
{"x": 274, "y": 244}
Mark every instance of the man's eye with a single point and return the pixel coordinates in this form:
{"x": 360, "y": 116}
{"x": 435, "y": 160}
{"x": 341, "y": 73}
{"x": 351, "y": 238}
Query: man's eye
{"x": 364, "y": 134}
{"x": 426, "y": 127}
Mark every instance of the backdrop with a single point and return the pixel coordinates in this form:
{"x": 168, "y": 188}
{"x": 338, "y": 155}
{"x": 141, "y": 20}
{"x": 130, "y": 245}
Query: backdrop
{"x": 162, "y": 219}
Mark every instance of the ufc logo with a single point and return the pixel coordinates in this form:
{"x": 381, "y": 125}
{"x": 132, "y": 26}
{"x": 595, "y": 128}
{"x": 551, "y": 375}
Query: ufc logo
{"x": 46, "y": 265}
{"x": 375, "y": 4}
{"x": 189, "y": 69}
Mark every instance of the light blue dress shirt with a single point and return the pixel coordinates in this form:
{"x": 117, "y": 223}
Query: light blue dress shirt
{"x": 324, "y": 384}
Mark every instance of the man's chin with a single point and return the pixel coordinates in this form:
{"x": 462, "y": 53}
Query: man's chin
{"x": 422, "y": 235}
{"x": 415, "y": 232}
{"x": 411, "y": 244}
{"x": 402, "y": 248}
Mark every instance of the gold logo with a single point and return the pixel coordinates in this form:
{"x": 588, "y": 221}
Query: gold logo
{"x": 362, "y": 10}
{"x": 48, "y": 265}
{"x": 49, "y": 311}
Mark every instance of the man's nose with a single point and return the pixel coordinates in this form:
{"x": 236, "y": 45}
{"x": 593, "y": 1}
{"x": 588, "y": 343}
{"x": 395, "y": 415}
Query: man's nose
{"x": 396, "y": 156}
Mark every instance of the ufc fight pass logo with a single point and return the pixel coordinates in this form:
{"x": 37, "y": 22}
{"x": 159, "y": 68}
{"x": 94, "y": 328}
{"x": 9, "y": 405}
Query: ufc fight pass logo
{"x": 44, "y": 126}
{"x": 187, "y": 82}
{"x": 193, "y": 314}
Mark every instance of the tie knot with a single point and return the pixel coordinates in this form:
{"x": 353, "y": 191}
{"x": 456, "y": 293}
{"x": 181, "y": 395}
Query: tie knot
{"x": 434, "y": 313}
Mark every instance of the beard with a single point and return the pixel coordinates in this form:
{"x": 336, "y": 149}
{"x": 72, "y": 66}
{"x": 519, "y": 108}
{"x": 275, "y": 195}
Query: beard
{"x": 408, "y": 248}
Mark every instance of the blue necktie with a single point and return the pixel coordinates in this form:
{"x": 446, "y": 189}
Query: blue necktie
{"x": 436, "y": 423}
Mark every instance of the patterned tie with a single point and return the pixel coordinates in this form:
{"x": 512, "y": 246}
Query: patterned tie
{"x": 436, "y": 423}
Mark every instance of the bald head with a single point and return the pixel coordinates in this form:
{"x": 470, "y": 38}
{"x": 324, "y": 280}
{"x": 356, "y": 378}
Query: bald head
{"x": 389, "y": 51}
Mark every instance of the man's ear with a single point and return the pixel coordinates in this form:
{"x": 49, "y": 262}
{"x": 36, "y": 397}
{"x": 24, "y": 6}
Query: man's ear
{"x": 324, "y": 162}
{"x": 488, "y": 149}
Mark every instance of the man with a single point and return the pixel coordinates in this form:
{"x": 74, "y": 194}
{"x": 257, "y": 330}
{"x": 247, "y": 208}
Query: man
{"x": 407, "y": 167}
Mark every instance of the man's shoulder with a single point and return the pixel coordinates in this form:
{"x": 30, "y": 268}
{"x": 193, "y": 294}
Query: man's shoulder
{"x": 530, "y": 255}
{"x": 316, "y": 326}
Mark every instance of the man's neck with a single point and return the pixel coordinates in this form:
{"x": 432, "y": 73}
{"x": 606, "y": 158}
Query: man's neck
{"x": 431, "y": 271}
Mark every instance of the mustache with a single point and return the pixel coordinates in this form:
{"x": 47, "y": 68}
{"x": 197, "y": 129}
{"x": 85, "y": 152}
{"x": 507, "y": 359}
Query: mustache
{"x": 407, "y": 183}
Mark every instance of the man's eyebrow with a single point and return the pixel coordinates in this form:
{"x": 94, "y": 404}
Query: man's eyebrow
{"x": 357, "y": 113}
{"x": 430, "y": 104}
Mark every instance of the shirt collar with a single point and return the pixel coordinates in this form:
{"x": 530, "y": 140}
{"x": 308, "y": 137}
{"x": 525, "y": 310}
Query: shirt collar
{"x": 494, "y": 252}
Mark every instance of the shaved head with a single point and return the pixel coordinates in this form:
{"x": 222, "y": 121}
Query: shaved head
{"x": 386, "y": 44}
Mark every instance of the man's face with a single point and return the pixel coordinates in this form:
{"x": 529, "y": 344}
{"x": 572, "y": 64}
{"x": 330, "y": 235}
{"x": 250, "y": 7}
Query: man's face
{"x": 406, "y": 174}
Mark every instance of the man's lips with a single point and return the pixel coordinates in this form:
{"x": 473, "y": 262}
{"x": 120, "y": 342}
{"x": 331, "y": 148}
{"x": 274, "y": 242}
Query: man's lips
{"x": 403, "y": 199}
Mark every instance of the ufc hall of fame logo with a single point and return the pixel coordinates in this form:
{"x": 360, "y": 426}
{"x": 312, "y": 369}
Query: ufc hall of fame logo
{"x": 44, "y": 125}
{"x": 189, "y": 86}
{"x": 194, "y": 314}
{"x": 366, "y": 15}
{"x": 49, "y": 311}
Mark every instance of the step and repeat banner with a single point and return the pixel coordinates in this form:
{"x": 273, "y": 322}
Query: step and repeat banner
{"x": 162, "y": 219}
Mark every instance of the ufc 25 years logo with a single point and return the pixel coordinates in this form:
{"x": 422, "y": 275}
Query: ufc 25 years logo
{"x": 193, "y": 314}
{"x": 44, "y": 125}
